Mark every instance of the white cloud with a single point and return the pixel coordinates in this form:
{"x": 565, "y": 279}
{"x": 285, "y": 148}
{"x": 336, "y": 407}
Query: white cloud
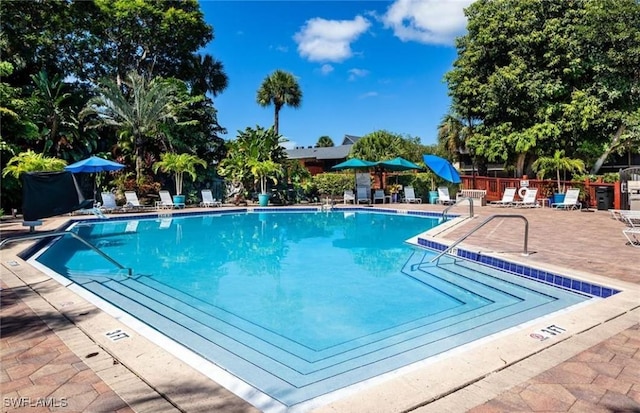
{"x": 368, "y": 95}
{"x": 329, "y": 40}
{"x": 356, "y": 73}
{"x": 326, "y": 69}
{"x": 427, "y": 21}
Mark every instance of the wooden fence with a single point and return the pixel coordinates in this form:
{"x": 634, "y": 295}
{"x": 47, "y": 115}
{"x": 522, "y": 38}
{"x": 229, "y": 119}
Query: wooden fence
{"x": 598, "y": 195}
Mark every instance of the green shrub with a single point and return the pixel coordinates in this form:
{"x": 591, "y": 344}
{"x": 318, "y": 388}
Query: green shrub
{"x": 333, "y": 183}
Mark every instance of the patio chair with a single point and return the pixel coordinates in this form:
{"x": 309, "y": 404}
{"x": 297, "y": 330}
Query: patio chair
{"x": 165, "y": 202}
{"x": 348, "y": 196}
{"x": 363, "y": 194}
{"x": 410, "y": 196}
{"x": 570, "y": 200}
{"x": 529, "y": 200}
{"x": 109, "y": 202}
{"x": 133, "y": 202}
{"x": 443, "y": 196}
{"x": 379, "y": 195}
{"x": 507, "y": 198}
{"x": 633, "y": 235}
{"x": 208, "y": 200}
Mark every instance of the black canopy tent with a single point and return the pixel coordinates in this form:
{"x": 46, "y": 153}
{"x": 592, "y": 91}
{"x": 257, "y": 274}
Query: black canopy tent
{"x": 47, "y": 194}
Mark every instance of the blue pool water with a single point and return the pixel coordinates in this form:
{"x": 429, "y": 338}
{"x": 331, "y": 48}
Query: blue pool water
{"x": 299, "y": 304}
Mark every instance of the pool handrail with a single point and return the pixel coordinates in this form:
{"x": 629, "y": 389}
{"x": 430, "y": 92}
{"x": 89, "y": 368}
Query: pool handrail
{"x": 33, "y": 236}
{"x": 467, "y": 198}
{"x": 483, "y": 223}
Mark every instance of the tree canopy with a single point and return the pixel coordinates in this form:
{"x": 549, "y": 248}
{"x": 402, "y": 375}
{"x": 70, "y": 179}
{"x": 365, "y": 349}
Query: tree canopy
{"x": 536, "y": 76}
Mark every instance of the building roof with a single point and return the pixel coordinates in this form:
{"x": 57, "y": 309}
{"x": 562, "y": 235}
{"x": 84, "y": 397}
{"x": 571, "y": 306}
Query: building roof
{"x": 332, "y": 152}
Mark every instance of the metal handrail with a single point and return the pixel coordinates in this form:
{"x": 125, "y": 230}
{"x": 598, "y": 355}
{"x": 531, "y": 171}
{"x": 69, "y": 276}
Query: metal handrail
{"x": 483, "y": 223}
{"x": 467, "y": 198}
{"x": 62, "y": 233}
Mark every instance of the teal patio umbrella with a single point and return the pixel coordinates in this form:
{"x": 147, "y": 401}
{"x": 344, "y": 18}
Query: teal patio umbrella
{"x": 398, "y": 164}
{"x": 355, "y": 164}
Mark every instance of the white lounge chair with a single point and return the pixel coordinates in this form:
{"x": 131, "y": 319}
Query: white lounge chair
{"x": 132, "y": 201}
{"x": 363, "y": 194}
{"x": 529, "y": 200}
{"x": 108, "y": 202}
{"x": 349, "y": 196}
{"x": 165, "y": 202}
{"x": 570, "y": 200}
{"x": 208, "y": 200}
{"x": 507, "y": 198}
{"x": 410, "y": 196}
{"x": 379, "y": 195}
{"x": 443, "y": 196}
{"x": 633, "y": 235}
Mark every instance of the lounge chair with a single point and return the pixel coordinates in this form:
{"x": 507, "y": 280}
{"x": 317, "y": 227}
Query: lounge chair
{"x": 529, "y": 200}
{"x": 165, "y": 202}
{"x": 443, "y": 196}
{"x": 208, "y": 200}
{"x": 570, "y": 200}
{"x": 379, "y": 195}
{"x": 133, "y": 202}
{"x": 363, "y": 194}
{"x": 348, "y": 196}
{"x": 507, "y": 198}
{"x": 633, "y": 235}
{"x": 410, "y": 196}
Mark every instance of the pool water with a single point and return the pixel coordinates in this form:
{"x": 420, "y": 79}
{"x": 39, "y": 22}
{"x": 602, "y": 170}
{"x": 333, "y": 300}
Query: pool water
{"x": 299, "y": 304}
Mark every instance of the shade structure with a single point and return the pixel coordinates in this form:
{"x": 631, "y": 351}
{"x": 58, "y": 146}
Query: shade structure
{"x": 442, "y": 168}
{"x": 93, "y": 164}
{"x": 353, "y": 163}
{"x": 397, "y": 164}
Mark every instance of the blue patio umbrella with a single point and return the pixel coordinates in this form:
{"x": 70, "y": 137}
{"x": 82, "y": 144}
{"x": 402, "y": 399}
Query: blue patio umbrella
{"x": 442, "y": 168}
{"x": 94, "y": 165}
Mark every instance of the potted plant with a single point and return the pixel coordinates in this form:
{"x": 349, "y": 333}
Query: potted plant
{"x": 394, "y": 190}
{"x": 263, "y": 170}
{"x": 179, "y": 164}
{"x": 558, "y": 162}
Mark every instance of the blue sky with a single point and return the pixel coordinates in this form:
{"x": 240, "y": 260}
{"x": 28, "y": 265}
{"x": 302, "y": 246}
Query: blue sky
{"x": 362, "y": 65}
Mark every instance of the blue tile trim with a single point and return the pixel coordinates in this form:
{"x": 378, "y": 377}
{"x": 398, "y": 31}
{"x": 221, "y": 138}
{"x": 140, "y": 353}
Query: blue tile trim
{"x": 561, "y": 281}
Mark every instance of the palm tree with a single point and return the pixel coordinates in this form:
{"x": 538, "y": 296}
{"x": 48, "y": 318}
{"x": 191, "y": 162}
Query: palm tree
{"x": 151, "y": 105}
{"x": 279, "y": 88}
{"x": 324, "y": 142}
{"x": 178, "y": 164}
{"x": 545, "y": 164}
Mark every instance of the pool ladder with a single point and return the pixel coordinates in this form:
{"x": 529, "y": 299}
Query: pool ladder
{"x": 29, "y": 237}
{"x": 482, "y": 224}
{"x": 466, "y": 198}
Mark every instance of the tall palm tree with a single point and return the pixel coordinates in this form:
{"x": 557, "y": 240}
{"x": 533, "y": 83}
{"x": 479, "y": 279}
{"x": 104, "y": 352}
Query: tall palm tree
{"x": 279, "y": 88}
{"x": 150, "y": 105}
{"x": 324, "y": 142}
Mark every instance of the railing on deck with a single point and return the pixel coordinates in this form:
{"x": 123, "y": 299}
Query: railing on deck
{"x": 495, "y": 187}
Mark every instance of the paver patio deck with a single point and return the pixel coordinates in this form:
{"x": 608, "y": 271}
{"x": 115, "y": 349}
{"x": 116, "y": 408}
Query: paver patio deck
{"x": 42, "y": 361}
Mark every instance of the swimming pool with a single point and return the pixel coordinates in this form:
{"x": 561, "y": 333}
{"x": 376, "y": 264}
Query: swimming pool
{"x": 299, "y": 305}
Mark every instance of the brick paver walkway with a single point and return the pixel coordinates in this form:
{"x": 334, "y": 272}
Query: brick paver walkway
{"x": 39, "y": 373}
{"x": 603, "y": 379}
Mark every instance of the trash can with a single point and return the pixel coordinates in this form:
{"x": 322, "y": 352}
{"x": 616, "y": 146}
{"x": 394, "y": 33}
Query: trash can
{"x": 604, "y": 196}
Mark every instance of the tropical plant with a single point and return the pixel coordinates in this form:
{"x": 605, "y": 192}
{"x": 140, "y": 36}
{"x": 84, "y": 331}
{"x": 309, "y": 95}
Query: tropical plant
{"x": 151, "y": 105}
{"x": 558, "y": 162}
{"x": 324, "y": 142}
{"x": 279, "y": 88}
{"x": 30, "y": 161}
{"x": 263, "y": 170}
{"x": 251, "y": 147}
{"x": 333, "y": 183}
{"x": 179, "y": 164}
